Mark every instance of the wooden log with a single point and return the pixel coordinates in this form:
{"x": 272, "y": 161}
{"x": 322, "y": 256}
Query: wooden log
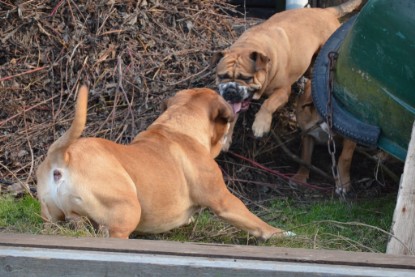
{"x": 403, "y": 225}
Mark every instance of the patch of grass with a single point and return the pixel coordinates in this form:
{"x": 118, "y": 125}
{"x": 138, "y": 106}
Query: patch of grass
{"x": 335, "y": 224}
{"x": 330, "y": 224}
{"x": 20, "y": 215}
{"x": 323, "y": 224}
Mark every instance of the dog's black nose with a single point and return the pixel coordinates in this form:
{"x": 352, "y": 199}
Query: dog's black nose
{"x": 232, "y": 95}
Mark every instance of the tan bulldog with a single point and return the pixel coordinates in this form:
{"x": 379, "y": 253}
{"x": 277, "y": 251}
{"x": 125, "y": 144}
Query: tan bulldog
{"x": 152, "y": 185}
{"x": 268, "y": 58}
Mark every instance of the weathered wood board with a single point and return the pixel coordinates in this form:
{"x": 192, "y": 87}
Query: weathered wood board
{"x": 35, "y": 255}
{"x": 403, "y": 225}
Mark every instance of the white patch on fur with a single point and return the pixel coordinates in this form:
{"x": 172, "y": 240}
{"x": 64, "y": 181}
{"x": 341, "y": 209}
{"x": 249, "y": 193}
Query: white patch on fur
{"x": 225, "y": 136}
{"x": 256, "y": 96}
{"x": 228, "y": 126}
{"x": 321, "y": 133}
{"x": 325, "y": 127}
{"x": 59, "y": 189}
{"x": 54, "y": 187}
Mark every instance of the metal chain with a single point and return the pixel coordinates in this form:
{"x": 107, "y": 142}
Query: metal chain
{"x": 331, "y": 144}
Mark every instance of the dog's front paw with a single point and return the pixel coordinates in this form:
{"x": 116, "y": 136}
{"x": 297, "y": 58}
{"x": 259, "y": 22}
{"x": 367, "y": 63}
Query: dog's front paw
{"x": 289, "y": 234}
{"x": 283, "y": 234}
{"x": 262, "y": 124}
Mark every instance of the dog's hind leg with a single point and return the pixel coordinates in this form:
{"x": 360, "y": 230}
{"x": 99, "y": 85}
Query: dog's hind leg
{"x": 50, "y": 212}
{"x": 123, "y": 219}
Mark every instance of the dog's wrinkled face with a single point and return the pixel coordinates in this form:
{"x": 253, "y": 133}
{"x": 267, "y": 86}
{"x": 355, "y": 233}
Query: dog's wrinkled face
{"x": 240, "y": 75}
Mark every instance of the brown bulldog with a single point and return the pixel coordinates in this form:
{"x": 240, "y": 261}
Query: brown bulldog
{"x": 152, "y": 185}
{"x": 315, "y": 130}
{"x": 268, "y": 58}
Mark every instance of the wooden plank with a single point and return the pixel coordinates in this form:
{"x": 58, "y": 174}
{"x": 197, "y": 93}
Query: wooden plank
{"x": 403, "y": 224}
{"x": 28, "y": 261}
{"x": 210, "y": 251}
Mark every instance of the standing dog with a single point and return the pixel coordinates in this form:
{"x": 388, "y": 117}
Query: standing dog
{"x": 316, "y": 131}
{"x": 152, "y": 185}
{"x": 268, "y": 58}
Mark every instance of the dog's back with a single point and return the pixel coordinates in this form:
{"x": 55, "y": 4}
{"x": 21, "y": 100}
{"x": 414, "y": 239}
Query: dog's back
{"x": 298, "y": 21}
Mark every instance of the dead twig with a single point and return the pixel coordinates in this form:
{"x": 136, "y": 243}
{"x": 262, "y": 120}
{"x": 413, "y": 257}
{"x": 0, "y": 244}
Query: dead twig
{"x": 384, "y": 168}
{"x": 275, "y": 172}
{"x": 23, "y": 73}
{"x": 299, "y": 160}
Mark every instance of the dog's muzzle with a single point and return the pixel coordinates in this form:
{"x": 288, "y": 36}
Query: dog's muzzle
{"x": 236, "y": 95}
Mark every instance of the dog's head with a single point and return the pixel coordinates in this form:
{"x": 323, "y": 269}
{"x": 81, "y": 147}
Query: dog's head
{"x": 207, "y": 104}
{"x": 240, "y": 76}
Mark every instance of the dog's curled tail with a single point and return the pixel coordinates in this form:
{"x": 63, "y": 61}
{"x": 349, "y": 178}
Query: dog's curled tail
{"x": 78, "y": 123}
{"x": 345, "y": 8}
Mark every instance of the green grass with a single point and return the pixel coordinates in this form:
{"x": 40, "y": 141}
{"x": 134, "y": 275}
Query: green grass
{"x": 20, "y": 215}
{"x": 325, "y": 224}
{"x": 332, "y": 224}
{"x": 335, "y": 224}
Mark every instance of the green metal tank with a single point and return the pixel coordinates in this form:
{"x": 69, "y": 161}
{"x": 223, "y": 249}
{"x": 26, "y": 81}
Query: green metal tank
{"x": 374, "y": 75}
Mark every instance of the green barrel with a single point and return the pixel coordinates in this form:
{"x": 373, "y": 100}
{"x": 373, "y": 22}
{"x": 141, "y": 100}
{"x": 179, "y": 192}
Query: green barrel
{"x": 375, "y": 71}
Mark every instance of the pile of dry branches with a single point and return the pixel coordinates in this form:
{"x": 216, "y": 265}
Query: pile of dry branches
{"x": 132, "y": 55}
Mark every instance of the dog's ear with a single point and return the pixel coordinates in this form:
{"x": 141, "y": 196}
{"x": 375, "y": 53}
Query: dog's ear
{"x": 216, "y": 58}
{"x": 221, "y": 111}
{"x": 221, "y": 115}
{"x": 261, "y": 60}
{"x": 164, "y": 104}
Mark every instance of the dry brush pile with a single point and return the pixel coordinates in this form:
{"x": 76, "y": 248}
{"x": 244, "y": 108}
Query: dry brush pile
{"x": 133, "y": 55}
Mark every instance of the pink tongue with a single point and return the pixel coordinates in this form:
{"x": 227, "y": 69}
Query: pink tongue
{"x": 236, "y": 107}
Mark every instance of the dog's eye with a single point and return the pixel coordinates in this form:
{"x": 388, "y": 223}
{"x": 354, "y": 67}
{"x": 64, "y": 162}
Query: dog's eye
{"x": 224, "y": 76}
{"x": 246, "y": 79}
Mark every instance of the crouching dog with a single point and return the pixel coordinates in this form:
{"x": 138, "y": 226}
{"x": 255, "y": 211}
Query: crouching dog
{"x": 152, "y": 185}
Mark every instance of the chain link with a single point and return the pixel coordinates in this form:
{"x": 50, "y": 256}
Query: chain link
{"x": 331, "y": 144}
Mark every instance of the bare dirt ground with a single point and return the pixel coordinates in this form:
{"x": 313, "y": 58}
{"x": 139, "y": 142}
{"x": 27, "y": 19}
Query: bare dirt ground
{"x": 133, "y": 55}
